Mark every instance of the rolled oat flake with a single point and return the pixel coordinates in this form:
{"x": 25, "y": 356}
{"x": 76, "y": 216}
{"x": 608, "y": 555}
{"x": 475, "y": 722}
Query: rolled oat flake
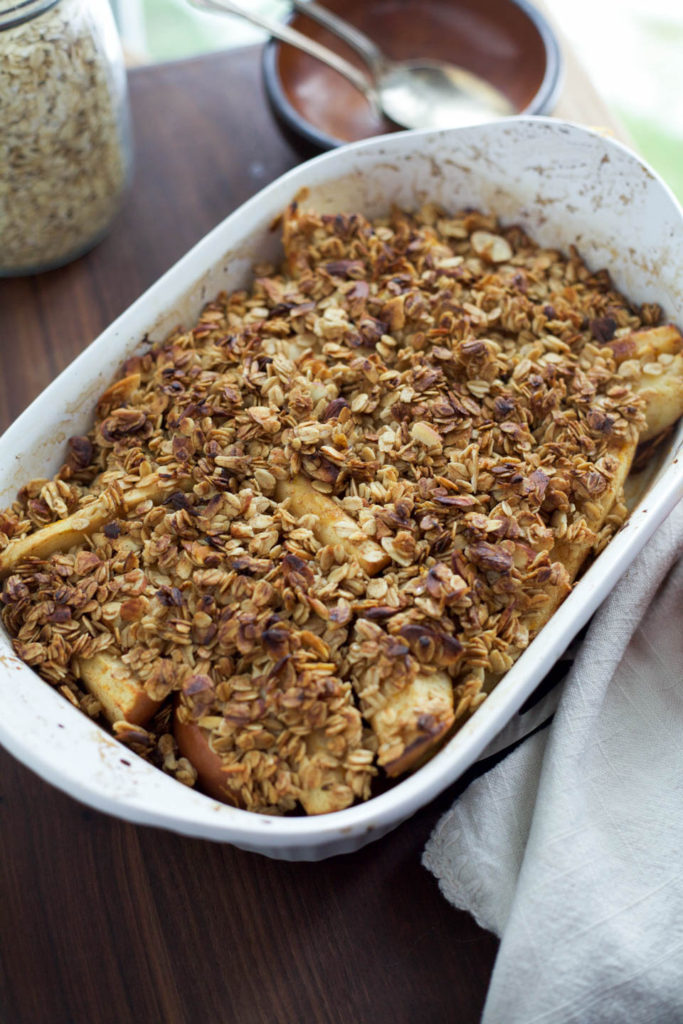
{"x": 65, "y": 143}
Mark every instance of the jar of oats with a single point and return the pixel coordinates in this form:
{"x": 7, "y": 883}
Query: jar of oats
{"x": 65, "y": 146}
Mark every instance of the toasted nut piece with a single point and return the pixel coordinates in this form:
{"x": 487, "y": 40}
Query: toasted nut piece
{"x": 121, "y": 695}
{"x": 334, "y": 526}
{"x": 491, "y": 247}
{"x": 118, "y": 392}
{"x": 65, "y": 533}
{"x": 426, "y": 434}
{"x": 417, "y": 717}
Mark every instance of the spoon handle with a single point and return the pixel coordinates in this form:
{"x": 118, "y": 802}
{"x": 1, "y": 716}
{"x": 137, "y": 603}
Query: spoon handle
{"x": 297, "y": 39}
{"x": 352, "y": 36}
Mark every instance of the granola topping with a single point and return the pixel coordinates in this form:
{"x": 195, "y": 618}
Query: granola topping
{"x": 313, "y": 531}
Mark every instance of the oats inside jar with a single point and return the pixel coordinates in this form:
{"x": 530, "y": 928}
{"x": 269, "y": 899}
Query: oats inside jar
{"x": 305, "y": 538}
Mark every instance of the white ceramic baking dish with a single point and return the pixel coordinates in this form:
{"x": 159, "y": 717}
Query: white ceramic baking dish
{"x": 561, "y": 182}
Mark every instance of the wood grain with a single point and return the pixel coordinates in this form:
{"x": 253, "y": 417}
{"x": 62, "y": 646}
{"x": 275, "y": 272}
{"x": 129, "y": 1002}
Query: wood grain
{"x": 106, "y": 923}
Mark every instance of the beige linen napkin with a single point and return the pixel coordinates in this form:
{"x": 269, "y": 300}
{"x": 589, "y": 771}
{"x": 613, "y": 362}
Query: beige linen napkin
{"x": 571, "y": 848}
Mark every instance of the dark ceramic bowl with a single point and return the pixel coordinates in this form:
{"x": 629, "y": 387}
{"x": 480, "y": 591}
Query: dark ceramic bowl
{"x": 507, "y": 42}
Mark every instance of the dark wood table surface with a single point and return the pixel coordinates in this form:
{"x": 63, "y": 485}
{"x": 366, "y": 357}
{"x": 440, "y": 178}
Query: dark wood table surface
{"x": 102, "y": 922}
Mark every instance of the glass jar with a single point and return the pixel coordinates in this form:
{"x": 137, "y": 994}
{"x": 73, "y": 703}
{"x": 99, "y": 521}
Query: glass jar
{"x": 65, "y": 141}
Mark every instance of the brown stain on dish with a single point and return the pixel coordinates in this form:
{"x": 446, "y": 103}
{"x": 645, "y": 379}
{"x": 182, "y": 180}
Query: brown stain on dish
{"x": 10, "y": 661}
{"x": 492, "y": 38}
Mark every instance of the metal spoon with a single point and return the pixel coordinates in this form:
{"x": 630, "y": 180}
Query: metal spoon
{"x": 412, "y": 94}
{"x": 418, "y": 93}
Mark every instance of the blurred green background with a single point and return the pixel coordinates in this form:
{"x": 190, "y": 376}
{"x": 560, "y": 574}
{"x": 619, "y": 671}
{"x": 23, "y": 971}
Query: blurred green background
{"x": 632, "y": 50}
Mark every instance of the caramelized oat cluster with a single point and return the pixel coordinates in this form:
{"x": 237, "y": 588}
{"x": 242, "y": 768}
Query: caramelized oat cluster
{"x": 308, "y": 535}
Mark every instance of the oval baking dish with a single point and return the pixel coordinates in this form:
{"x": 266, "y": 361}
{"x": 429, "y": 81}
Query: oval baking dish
{"x": 565, "y": 185}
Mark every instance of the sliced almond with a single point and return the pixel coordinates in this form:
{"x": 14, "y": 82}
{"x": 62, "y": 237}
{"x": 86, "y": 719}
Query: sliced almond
{"x": 425, "y": 434}
{"x": 493, "y": 248}
{"x": 119, "y": 392}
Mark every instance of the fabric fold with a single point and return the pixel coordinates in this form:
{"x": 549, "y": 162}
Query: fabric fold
{"x": 571, "y": 848}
